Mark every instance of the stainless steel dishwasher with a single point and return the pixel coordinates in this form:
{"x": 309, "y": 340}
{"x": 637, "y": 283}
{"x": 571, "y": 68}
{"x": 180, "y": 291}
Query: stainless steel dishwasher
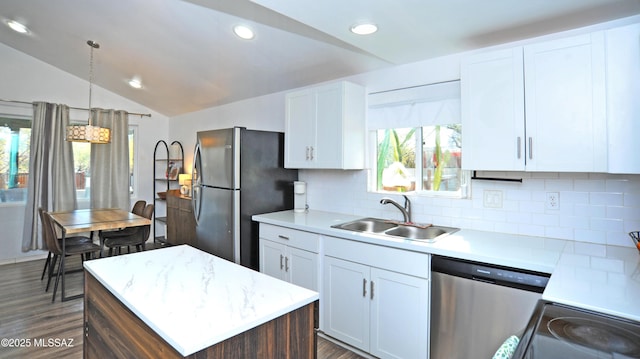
{"x": 476, "y": 306}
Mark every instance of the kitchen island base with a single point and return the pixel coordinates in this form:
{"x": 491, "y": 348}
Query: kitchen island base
{"x": 112, "y": 330}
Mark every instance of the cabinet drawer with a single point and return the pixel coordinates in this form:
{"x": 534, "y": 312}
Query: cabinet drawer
{"x": 393, "y": 259}
{"x": 291, "y": 237}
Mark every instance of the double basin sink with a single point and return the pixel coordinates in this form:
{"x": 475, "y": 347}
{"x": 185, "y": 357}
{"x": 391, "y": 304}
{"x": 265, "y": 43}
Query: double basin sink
{"x": 395, "y": 229}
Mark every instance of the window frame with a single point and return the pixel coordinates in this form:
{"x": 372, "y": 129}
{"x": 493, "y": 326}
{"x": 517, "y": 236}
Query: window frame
{"x": 465, "y": 177}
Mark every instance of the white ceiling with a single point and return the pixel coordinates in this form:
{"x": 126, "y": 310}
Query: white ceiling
{"x": 188, "y": 58}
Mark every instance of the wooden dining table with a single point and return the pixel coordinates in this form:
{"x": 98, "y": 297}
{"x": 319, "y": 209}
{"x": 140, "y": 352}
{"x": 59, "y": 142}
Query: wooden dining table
{"x": 91, "y": 220}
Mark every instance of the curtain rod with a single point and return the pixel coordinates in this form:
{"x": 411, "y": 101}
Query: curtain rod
{"x": 75, "y": 108}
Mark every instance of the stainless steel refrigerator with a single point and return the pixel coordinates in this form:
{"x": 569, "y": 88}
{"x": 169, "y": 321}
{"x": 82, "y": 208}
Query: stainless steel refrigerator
{"x": 238, "y": 173}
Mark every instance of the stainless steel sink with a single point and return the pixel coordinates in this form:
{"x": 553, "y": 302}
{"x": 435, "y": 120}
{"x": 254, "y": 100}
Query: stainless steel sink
{"x": 394, "y": 229}
{"x": 373, "y": 225}
{"x": 419, "y": 233}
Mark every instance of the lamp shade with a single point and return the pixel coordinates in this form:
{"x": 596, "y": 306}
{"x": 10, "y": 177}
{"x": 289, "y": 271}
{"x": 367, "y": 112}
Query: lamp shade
{"x": 184, "y": 179}
{"x": 88, "y": 133}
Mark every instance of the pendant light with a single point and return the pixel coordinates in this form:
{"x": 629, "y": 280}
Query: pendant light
{"x": 89, "y": 133}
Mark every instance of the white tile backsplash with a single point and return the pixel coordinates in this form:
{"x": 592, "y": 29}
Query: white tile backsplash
{"x": 594, "y": 208}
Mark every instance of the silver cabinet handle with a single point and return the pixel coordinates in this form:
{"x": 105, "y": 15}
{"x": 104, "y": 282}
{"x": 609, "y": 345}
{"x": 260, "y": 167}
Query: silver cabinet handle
{"x": 530, "y": 148}
{"x": 307, "y": 153}
{"x": 519, "y": 147}
{"x": 283, "y": 237}
{"x": 281, "y": 265}
{"x": 372, "y": 284}
{"x": 364, "y": 287}
{"x": 311, "y": 153}
{"x": 286, "y": 264}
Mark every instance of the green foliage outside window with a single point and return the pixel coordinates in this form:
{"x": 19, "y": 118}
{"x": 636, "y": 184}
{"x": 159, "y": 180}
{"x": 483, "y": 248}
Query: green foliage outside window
{"x": 438, "y": 148}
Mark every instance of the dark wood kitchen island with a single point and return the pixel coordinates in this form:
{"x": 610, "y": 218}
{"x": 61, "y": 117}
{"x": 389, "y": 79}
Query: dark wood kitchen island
{"x": 178, "y": 302}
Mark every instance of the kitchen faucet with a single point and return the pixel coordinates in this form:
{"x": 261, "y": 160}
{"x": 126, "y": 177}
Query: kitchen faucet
{"x": 406, "y": 210}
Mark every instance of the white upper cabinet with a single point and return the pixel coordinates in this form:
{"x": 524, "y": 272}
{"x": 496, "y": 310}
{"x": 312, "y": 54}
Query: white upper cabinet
{"x": 539, "y": 107}
{"x": 623, "y": 96}
{"x": 492, "y": 101}
{"x": 565, "y": 101}
{"x": 325, "y": 127}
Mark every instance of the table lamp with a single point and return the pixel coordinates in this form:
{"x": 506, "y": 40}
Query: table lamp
{"x": 185, "y": 184}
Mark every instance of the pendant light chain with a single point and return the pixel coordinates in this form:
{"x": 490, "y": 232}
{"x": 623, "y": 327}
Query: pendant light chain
{"x": 93, "y": 45}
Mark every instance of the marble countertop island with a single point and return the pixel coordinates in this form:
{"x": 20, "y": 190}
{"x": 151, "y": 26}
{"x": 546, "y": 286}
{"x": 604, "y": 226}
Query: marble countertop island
{"x": 193, "y": 299}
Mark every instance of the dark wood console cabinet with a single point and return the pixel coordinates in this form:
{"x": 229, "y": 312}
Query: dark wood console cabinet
{"x": 181, "y": 224}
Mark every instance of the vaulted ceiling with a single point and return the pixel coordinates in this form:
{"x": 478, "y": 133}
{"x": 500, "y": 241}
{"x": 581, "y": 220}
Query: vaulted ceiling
{"x": 187, "y": 57}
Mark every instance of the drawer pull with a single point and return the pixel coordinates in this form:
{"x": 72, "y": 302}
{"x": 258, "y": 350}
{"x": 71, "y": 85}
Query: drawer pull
{"x": 283, "y": 237}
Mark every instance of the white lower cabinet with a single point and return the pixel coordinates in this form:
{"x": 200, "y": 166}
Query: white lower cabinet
{"x": 290, "y": 255}
{"x": 376, "y": 299}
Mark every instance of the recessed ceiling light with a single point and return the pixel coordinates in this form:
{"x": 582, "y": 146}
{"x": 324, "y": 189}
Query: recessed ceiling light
{"x": 243, "y": 32}
{"x": 17, "y": 27}
{"x": 364, "y": 29}
{"x": 135, "y": 83}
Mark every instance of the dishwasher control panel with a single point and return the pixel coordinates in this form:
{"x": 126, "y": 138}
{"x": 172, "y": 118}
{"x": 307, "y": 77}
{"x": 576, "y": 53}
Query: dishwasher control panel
{"x": 499, "y": 275}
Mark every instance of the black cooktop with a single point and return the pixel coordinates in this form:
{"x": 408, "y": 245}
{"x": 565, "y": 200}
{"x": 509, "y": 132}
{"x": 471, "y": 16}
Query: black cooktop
{"x": 559, "y": 331}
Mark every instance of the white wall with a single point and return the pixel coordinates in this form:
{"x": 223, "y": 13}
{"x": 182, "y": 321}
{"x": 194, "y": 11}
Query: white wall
{"x": 25, "y": 78}
{"x": 264, "y": 113}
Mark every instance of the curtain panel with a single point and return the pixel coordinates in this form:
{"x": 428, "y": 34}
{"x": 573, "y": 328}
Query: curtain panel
{"x": 51, "y": 171}
{"x": 110, "y": 162}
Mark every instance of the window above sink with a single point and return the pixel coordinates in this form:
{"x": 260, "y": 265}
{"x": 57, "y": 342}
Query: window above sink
{"x": 418, "y": 141}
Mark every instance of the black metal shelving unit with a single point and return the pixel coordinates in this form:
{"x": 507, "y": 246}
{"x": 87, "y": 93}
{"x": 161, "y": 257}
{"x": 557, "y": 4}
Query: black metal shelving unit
{"x": 163, "y": 180}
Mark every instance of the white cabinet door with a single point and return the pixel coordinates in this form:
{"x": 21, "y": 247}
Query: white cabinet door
{"x": 303, "y": 268}
{"x": 493, "y": 111}
{"x": 623, "y": 94}
{"x": 399, "y": 315}
{"x": 565, "y": 103}
{"x": 300, "y": 128}
{"x": 325, "y": 127}
{"x": 346, "y": 302}
{"x": 272, "y": 259}
{"x": 540, "y": 107}
{"x": 327, "y": 151}
{"x": 290, "y": 264}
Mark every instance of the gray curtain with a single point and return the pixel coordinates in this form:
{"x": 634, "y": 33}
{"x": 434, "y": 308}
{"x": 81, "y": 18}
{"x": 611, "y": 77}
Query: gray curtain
{"x": 110, "y": 162}
{"x": 51, "y": 170}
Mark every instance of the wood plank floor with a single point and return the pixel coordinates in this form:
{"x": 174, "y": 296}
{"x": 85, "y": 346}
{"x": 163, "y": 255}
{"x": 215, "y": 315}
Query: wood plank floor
{"x": 54, "y": 330}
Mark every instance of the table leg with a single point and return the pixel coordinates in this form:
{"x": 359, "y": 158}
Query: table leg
{"x": 62, "y": 260}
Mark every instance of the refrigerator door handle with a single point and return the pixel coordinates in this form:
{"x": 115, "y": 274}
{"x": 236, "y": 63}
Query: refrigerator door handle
{"x": 196, "y": 196}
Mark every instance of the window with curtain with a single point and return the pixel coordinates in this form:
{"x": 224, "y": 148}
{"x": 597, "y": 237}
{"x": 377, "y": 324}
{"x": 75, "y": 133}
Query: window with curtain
{"x": 15, "y": 136}
{"x": 418, "y": 145}
{"x": 82, "y": 163}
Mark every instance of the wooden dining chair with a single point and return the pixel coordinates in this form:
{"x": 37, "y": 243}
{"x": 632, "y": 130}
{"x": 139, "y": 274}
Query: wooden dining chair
{"x": 74, "y": 240}
{"x": 116, "y": 241}
{"x": 85, "y": 250}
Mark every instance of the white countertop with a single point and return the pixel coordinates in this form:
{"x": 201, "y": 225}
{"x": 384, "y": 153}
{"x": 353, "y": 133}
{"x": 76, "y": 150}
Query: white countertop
{"x": 193, "y": 299}
{"x": 592, "y": 276}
